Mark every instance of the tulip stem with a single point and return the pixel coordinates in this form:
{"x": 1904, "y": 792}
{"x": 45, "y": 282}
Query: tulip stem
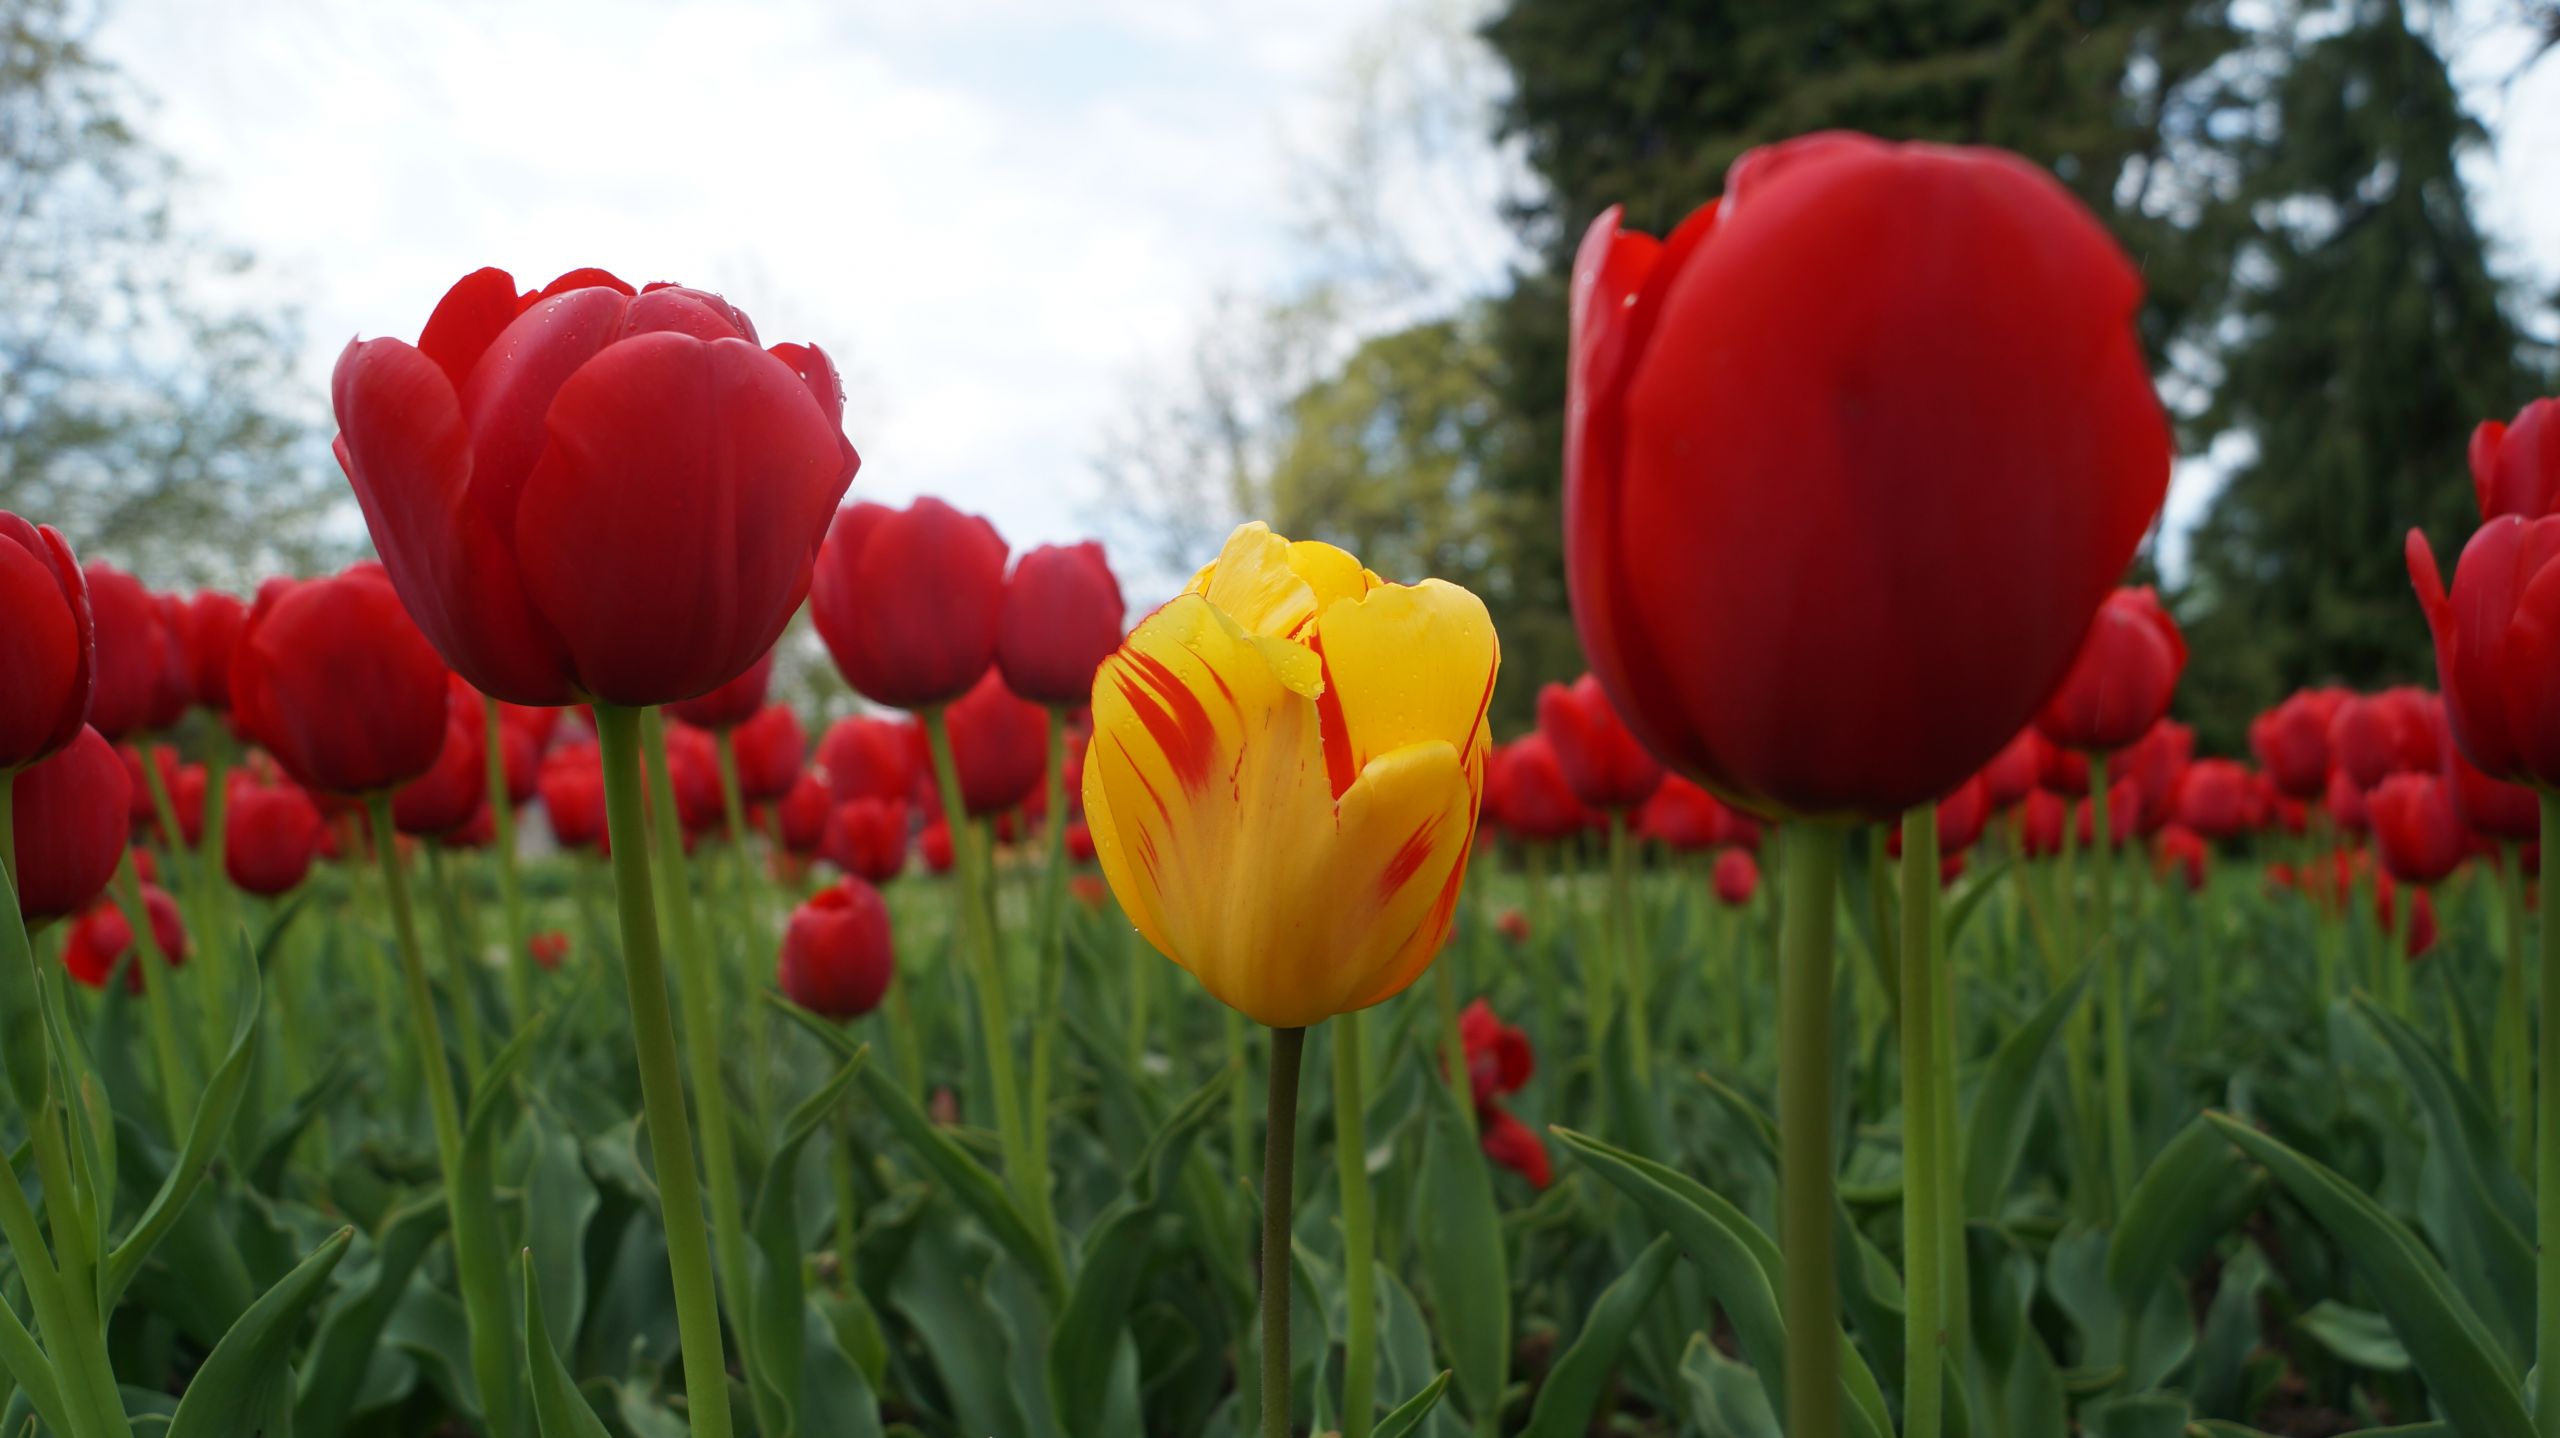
{"x": 476, "y": 1257}
{"x": 2514, "y": 1036}
{"x": 1279, "y": 1161}
{"x": 1923, "y": 1227}
{"x": 457, "y": 959}
{"x": 175, "y": 1081}
{"x": 653, "y": 1034}
{"x": 1631, "y": 954}
{"x": 2546, "y": 1194}
{"x": 502, "y": 829}
{"x": 1053, "y": 955}
{"x": 2116, "y": 972}
{"x": 752, "y": 939}
{"x": 1810, "y": 854}
{"x": 1359, "y": 1243}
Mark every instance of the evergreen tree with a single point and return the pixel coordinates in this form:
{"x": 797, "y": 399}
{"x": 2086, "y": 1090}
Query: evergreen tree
{"x": 2366, "y": 335}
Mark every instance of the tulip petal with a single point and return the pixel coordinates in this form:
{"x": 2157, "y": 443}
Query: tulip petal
{"x": 668, "y": 530}
{"x": 1405, "y": 831}
{"x": 42, "y": 654}
{"x": 471, "y": 315}
{"x": 1409, "y": 663}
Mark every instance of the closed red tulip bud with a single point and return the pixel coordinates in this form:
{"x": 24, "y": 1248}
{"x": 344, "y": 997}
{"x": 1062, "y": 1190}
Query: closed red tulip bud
{"x": 2217, "y": 799}
{"x": 836, "y": 955}
{"x": 457, "y": 784}
{"x": 129, "y": 650}
{"x": 2372, "y": 736}
{"x": 733, "y": 703}
{"x": 1499, "y": 1058}
{"x": 270, "y": 835}
{"x": 1820, "y": 555}
{"x": 477, "y": 832}
{"x": 2157, "y": 764}
{"x": 2123, "y": 679}
{"x": 909, "y": 600}
{"x": 2040, "y": 823}
{"x": 2291, "y": 816}
{"x": 547, "y": 949}
{"x": 803, "y": 813}
{"x": 2415, "y": 829}
{"x": 214, "y": 621}
{"x": 1513, "y": 926}
{"x": 48, "y": 643}
{"x": 867, "y": 838}
{"x": 1061, "y": 618}
{"x": 536, "y": 724}
{"x": 572, "y": 786}
{"x": 1525, "y": 792}
{"x": 2064, "y": 771}
{"x": 770, "y": 748}
{"x": 2492, "y": 807}
{"x": 2497, "y": 637}
{"x": 874, "y": 757}
{"x": 2292, "y": 742}
{"x": 2012, "y": 773}
{"x": 174, "y": 691}
{"x": 1604, "y": 764}
{"x": 1684, "y": 817}
{"x": 587, "y": 493}
{"x": 2124, "y": 813}
{"x": 693, "y": 771}
{"x": 2180, "y": 853}
{"x": 519, "y": 761}
{"x": 1079, "y": 841}
{"x": 2515, "y": 468}
{"x": 333, "y": 679}
{"x": 935, "y": 844}
{"x": 1089, "y": 890}
{"x": 140, "y": 806}
{"x": 2346, "y": 803}
{"x": 1737, "y": 877}
{"x": 1000, "y": 745}
{"x": 68, "y": 818}
{"x": 1514, "y": 1145}
{"x": 101, "y": 938}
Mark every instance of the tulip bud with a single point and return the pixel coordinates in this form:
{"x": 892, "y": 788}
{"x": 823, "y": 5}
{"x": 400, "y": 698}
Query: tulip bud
{"x": 48, "y": 644}
{"x": 1061, "y": 619}
{"x": 908, "y": 600}
{"x": 101, "y": 938}
{"x": 68, "y": 817}
{"x": 837, "y": 960}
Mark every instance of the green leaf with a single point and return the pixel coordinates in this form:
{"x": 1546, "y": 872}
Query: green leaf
{"x": 2004, "y": 1107}
{"x": 245, "y": 1388}
{"x": 1406, "y": 1419}
{"x": 2230, "y": 1337}
{"x": 1961, "y": 909}
{"x": 216, "y": 1107}
{"x": 558, "y": 1408}
{"x": 1722, "y": 1397}
{"x": 560, "y": 1200}
{"x": 22, "y": 1026}
{"x": 773, "y": 1334}
{"x": 2357, "y": 1335}
{"x": 2192, "y": 1193}
{"x": 2464, "y": 1368}
{"x": 351, "y": 1330}
{"x": 1463, "y": 1257}
{"x": 2150, "y": 1415}
{"x": 1574, "y": 1386}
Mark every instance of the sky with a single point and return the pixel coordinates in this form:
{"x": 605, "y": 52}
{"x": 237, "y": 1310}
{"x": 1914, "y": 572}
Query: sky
{"x": 1004, "y": 218}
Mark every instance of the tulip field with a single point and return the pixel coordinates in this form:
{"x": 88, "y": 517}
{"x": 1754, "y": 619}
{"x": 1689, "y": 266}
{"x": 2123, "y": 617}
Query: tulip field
{"x": 469, "y": 993}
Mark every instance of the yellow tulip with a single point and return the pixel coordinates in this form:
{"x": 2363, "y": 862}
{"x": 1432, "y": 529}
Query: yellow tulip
{"x": 1286, "y": 765}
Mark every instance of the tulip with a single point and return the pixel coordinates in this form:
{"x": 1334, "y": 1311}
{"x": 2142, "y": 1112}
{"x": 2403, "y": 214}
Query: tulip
{"x": 935, "y": 844}
{"x": 867, "y": 838}
{"x": 2292, "y": 742}
{"x": 214, "y": 622}
{"x": 874, "y": 757}
{"x": 1499, "y": 1062}
{"x": 2157, "y": 764}
{"x": 68, "y": 825}
{"x": 2492, "y": 807}
{"x": 2420, "y": 936}
{"x": 2515, "y": 468}
{"x": 547, "y": 949}
{"x": 1516, "y": 1146}
{"x": 2394, "y": 732}
{"x": 457, "y": 784}
{"x": 270, "y": 834}
{"x": 999, "y": 742}
{"x": 1080, "y": 841}
{"x": 2497, "y": 638}
{"x": 585, "y": 493}
{"x": 335, "y": 681}
{"x": 1513, "y": 925}
{"x": 173, "y": 691}
{"x": 693, "y": 768}
{"x": 1602, "y": 760}
{"x": 1961, "y": 817}
{"x": 2346, "y": 803}
{"x": 1089, "y": 890}
{"x": 2014, "y": 772}
{"x": 519, "y": 760}
{"x": 1683, "y": 816}
{"x": 535, "y": 723}
{"x": 2064, "y": 771}
{"x": 101, "y": 938}
{"x": 572, "y": 787}
{"x": 129, "y": 659}
{"x": 1061, "y": 618}
{"x": 769, "y": 748}
{"x": 2121, "y": 812}
{"x": 733, "y": 703}
{"x": 909, "y": 601}
{"x": 1526, "y": 794}
{"x": 2215, "y": 800}
{"x": 1737, "y": 877}
{"x": 837, "y": 959}
{"x": 2180, "y": 852}
{"x": 2040, "y": 824}
{"x": 803, "y": 814}
{"x": 48, "y": 644}
{"x": 2415, "y": 829}
{"x": 2121, "y": 683}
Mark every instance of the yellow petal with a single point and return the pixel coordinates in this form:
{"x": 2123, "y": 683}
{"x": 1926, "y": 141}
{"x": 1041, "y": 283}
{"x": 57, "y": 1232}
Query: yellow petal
{"x": 1271, "y": 585}
{"x": 1407, "y": 825}
{"x": 1409, "y": 663}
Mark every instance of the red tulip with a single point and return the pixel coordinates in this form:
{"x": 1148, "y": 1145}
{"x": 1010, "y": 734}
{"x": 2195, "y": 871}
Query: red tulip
{"x": 2180, "y": 852}
{"x": 1516, "y": 1146}
{"x": 693, "y": 772}
{"x": 1822, "y": 557}
{"x": 909, "y": 600}
{"x": 130, "y": 654}
{"x": 2393, "y": 732}
{"x": 836, "y": 954}
{"x": 2124, "y": 815}
{"x": 547, "y": 948}
{"x": 733, "y": 703}
{"x": 2122, "y": 681}
{"x": 535, "y": 723}
{"x": 880, "y": 758}
{"x": 69, "y": 822}
{"x": 1960, "y": 819}
{"x": 335, "y": 681}
{"x": 572, "y": 786}
{"x": 2064, "y": 771}
{"x": 1000, "y": 745}
{"x": 48, "y": 643}
{"x": 587, "y": 493}
{"x": 2515, "y": 468}
{"x": 1737, "y": 877}
{"x": 444, "y": 798}
{"x": 1525, "y": 792}
{"x": 2498, "y": 645}
{"x": 803, "y": 813}
{"x": 101, "y": 938}
{"x": 142, "y": 808}
{"x": 2013, "y": 772}
{"x": 519, "y": 760}
{"x": 1499, "y": 1059}
{"x": 1685, "y": 817}
{"x": 1061, "y": 618}
{"x": 2217, "y": 800}
{"x": 270, "y": 834}
{"x": 769, "y": 749}
{"x": 174, "y": 690}
{"x": 2040, "y": 823}
{"x": 2156, "y": 763}
{"x": 935, "y": 843}
{"x": 2422, "y": 915}
{"x": 214, "y": 621}
{"x": 2292, "y": 741}
{"x": 2346, "y": 803}
{"x": 1079, "y": 841}
{"x": 2492, "y": 807}
{"x": 867, "y": 838}
{"x": 2414, "y": 828}
{"x": 1089, "y": 890}
{"x": 1513, "y": 926}
{"x": 476, "y": 832}
{"x": 1603, "y": 762}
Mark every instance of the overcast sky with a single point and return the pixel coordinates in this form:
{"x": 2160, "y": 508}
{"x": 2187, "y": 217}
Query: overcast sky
{"x": 998, "y": 215}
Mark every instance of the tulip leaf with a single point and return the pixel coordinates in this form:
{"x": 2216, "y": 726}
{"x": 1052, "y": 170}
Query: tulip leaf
{"x": 2194, "y": 1191}
{"x": 2004, "y": 1108}
{"x": 216, "y": 1107}
{"x": 1574, "y": 1386}
{"x": 22, "y": 1012}
{"x": 559, "y": 1410}
{"x": 774, "y": 1331}
{"x": 1463, "y": 1257}
{"x": 1407, "y": 1417}
{"x": 23, "y": 1363}
{"x": 350, "y": 1331}
{"x": 2148, "y": 1415}
{"x": 2466, "y": 1372}
{"x": 245, "y": 1388}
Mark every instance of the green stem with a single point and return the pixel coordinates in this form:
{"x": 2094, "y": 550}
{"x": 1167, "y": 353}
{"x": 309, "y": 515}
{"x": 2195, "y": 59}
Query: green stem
{"x": 502, "y": 828}
{"x": 1239, "y": 1108}
{"x": 2116, "y": 973}
{"x": 176, "y": 1081}
{"x": 1631, "y": 955}
{"x": 1923, "y": 1158}
{"x": 1053, "y": 957}
{"x": 697, "y": 984}
{"x": 1811, "y": 858}
{"x": 653, "y": 1036}
{"x": 2546, "y": 1382}
{"x": 1359, "y": 1241}
{"x": 476, "y": 1257}
{"x": 457, "y": 961}
{"x": 2514, "y": 1030}
{"x": 1453, "y": 1045}
{"x": 1279, "y": 1160}
{"x": 752, "y": 939}
{"x": 840, "y": 1173}
{"x": 1955, "y": 1263}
